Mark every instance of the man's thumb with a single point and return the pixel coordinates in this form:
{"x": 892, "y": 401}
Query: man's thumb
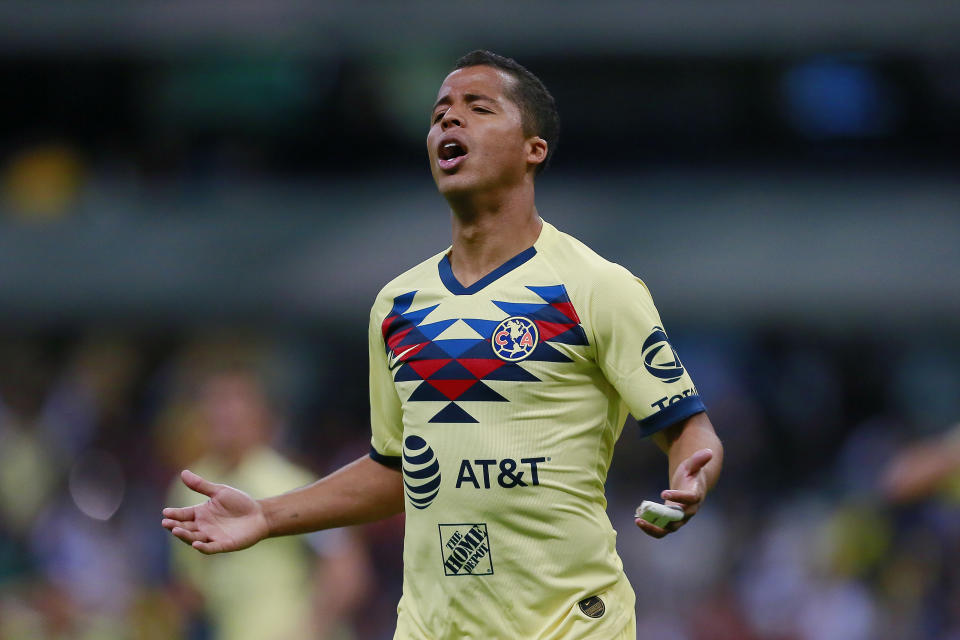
{"x": 198, "y": 484}
{"x": 698, "y": 460}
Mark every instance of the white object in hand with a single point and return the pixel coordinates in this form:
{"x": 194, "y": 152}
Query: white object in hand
{"x": 659, "y": 515}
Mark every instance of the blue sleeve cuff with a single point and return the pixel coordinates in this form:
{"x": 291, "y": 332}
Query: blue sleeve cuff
{"x": 388, "y": 461}
{"x": 674, "y": 413}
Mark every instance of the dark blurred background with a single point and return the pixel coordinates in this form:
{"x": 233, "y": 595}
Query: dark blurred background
{"x": 189, "y": 190}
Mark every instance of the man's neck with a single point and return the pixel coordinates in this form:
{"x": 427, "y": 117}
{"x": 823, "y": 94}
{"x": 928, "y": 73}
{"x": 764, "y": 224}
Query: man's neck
{"x": 489, "y": 229}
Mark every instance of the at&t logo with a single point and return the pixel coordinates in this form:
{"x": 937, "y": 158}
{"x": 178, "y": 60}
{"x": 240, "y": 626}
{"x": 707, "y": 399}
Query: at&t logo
{"x": 421, "y": 472}
{"x": 515, "y": 338}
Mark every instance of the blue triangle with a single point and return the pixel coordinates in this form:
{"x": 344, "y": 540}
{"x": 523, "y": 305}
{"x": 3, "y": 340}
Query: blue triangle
{"x": 431, "y": 351}
{"x": 413, "y": 337}
{"x": 555, "y": 293}
{"x": 456, "y": 348}
{"x": 426, "y": 392}
{"x": 518, "y": 308}
{"x": 453, "y": 370}
{"x": 454, "y": 414}
{"x": 573, "y": 335}
{"x": 401, "y": 303}
{"x": 512, "y": 371}
{"x": 416, "y": 317}
{"x": 406, "y": 374}
{"x": 480, "y": 350}
{"x": 483, "y": 327}
{"x": 481, "y": 393}
{"x": 545, "y": 353}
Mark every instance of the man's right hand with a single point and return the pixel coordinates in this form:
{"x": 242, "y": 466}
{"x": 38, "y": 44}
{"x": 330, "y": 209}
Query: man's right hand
{"x": 229, "y": 521}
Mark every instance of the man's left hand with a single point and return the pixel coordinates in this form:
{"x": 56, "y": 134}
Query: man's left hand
{"x": 688, "y": 489}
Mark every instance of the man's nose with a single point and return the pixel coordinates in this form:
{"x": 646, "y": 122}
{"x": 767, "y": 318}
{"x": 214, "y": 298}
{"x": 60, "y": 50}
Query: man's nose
{"x": 450, "y": 119}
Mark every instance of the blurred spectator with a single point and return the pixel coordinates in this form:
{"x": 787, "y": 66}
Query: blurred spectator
{"x": 926, "y": 468}
{"x": 26, "y": 450}
{"x": 68, "y": 567}
{"x": 288, "y": 588}
{"x": 42, "y": 183}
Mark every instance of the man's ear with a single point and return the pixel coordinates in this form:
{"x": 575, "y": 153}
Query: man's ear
{"x": 536, "y": 150}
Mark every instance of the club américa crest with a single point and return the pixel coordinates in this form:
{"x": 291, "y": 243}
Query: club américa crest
{"x": 515, "y": 338}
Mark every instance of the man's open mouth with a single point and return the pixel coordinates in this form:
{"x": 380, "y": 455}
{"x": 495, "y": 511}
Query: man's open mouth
{"x": 452, "y": 150}
{"x": 450, "y": 154}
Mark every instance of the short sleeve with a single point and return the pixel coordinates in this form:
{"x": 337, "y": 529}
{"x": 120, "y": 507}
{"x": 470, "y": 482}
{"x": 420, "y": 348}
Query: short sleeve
{"x": 636, "y": 355}
{"x": 386, "y": 418}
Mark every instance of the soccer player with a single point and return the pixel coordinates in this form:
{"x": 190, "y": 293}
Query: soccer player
{"x": 286, "y": 588}
{"x": 501, "y": 373}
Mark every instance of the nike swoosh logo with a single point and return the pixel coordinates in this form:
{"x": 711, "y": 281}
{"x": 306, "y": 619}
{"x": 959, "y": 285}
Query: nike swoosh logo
{"x": 394, "y": 359}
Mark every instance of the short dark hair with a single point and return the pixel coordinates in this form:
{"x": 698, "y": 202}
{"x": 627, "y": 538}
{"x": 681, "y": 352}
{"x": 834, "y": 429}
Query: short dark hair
{"x": 538, "y": 109}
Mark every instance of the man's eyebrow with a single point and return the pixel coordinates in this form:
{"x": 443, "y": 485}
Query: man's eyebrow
{"x": 469, "y": 97}
{"x": 473, "y": 97}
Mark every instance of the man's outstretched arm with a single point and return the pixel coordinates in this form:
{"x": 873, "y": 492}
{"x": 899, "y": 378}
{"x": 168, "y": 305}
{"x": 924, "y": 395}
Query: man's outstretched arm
{"x": 362, "y": 491}
{"x": 695, "y": 458}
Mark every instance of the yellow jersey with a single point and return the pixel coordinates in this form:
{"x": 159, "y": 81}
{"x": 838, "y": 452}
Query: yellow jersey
{"x": 501, "y": 403}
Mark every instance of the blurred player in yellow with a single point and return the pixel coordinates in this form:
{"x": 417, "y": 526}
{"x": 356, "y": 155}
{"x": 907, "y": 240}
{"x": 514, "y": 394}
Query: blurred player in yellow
{"x": 285, "y": 589}
{"x": 501, "y": 373}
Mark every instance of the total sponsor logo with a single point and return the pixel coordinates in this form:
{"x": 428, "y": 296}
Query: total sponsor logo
{"x": 666, "y": 401}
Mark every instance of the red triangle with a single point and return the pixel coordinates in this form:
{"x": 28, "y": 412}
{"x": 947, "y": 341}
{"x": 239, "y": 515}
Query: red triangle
{"x": 550, "y": 329}
{"x": 452, "y": 389}
{"x": 426, "y": 368}
{"x": 397, "y": 337}
{"x": 386, "y": 324}
{"x": 481, "y": 367}
{"x": 566, "y": 308}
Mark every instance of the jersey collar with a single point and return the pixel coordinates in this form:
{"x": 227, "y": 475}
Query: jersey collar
{"x": 453, "y": 285}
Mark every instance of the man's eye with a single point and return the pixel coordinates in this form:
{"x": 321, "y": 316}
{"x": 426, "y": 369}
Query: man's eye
{"x": 437, "y": 116}
{"x": 482, "y": 110}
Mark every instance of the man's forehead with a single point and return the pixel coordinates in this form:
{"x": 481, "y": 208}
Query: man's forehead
{"x": 480, "y": 79}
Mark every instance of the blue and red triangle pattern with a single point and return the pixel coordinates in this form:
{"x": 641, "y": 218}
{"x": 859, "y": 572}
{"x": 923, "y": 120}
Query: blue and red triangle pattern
{"x": 453, "y": 370}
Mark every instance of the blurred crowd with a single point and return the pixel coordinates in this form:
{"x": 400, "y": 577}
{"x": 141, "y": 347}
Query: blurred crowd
{"x": 93, "y": 432}
{"x": 829, "y": 522}
{"x": 838, "y": 514}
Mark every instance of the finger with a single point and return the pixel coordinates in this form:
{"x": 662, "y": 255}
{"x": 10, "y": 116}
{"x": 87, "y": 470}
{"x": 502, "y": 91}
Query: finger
{"x": 682, "y": 496}
{"x": 179, "y": 513}
{"x": 673, "y": 526}
{"x": 698, "y": 460}
{"x": 167, "y": 523}
{"x": 208, "y": 548}
{"x": 198, "y": 484}
{"x": 650, "y": 529}
{"x": 189, "y": 536}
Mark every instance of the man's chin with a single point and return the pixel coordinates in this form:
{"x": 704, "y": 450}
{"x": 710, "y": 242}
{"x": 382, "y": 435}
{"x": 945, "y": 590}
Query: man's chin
{"x": 455, "y": 185}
